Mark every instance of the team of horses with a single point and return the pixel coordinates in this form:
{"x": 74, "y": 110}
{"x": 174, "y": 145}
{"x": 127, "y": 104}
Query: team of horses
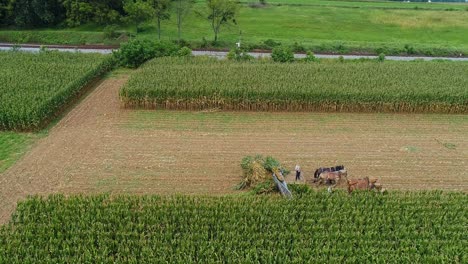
{"x": 337, "y": 175}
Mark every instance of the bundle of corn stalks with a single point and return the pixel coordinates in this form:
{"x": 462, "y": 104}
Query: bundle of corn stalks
{"x": 257, "y": 169}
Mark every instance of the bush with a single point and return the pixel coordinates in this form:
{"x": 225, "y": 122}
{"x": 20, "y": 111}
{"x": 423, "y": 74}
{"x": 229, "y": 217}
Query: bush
{"x": 271, "y": 43}
{"x": 135, "y": 52}
{"x": 110, "y": 32}
{"x": 381, "y": 57}
{"x": 163, "y": 49}
{"x": 340, "y": 48}
{"x": 310, "y": 57}
{"x": 184, "y": 52}
{"x": 239, "y": 55}
{"x": 409, "y": 49}
{"x": 296, "y": 47}
{"x": 282, "y": 54}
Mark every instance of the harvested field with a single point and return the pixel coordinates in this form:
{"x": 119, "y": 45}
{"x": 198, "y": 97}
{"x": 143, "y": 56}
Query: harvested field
{"x": 99, "y": 147}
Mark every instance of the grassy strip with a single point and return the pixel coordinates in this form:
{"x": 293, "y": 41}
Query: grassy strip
{"x": 59, "y": 37}
{"x": 331, "y": 85}
{"x": 12, "y": 146}
{"x": 314, "y": 228}
{"x": 34, "y": 86}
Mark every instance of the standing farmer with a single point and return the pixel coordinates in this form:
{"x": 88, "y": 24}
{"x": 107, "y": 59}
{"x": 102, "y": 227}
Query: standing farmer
{"x": 298, "y": 172}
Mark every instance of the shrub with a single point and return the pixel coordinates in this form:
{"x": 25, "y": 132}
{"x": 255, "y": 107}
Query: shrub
{"x": 184, "y": 52}
{"x": 282, "y": 54}
{"x": 271, "y": 43}
{"x": 135, "y": 52}
{"x": 239, "y": 55}
{"x": 341, "y": 59}
{"x": 340, "y": 48}
{"x": 310, "y": 57}
{"x": 381, "y": 57}
{"x": 164, "y": 49}
{"x": 110, "y": 32}
{"x": 409, "y": 49}
{"x": 296, "y": 47}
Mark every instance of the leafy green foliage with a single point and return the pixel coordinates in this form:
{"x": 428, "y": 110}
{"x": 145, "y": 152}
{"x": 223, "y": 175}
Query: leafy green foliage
{"x": 110, "y": 31}
{"x": 310, "y": 57}
{"x": 282, "y": 54}
{"x": 102, "y": 12}
{"x": 422, "y": 227}
{"x": 221, "y": 12}
{"x": 201, "y": 83}
{"x": 34, "y": 86}
{"x": 37, "y": 13}
{"x": 184, "y": 52}
{"x": 138, "y": 11}
{"x": 135, "y": 52}
{"x": 239, "y": 55}
{"x": 381, "y": 57}
{"x": 161, "y": 12}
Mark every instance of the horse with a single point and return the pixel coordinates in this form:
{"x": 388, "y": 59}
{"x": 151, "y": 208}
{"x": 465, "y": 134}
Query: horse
{"x": 330, "y": 169}
{"x": 331, "y": 177}
{"x": 364, "y": 184}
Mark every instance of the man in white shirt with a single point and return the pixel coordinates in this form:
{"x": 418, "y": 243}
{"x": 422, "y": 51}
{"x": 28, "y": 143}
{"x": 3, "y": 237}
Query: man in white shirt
{"x": 298, "y": 172}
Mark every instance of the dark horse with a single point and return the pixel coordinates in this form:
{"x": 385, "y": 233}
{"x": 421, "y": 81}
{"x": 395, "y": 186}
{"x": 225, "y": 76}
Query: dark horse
{"x": 331, "y": 169}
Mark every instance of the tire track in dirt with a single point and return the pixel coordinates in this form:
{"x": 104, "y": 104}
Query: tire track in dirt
{"x": 99, "y": 147}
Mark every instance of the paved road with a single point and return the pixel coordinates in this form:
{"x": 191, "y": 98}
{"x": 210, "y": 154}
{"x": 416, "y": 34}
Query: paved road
{"x": 222, "y": 54}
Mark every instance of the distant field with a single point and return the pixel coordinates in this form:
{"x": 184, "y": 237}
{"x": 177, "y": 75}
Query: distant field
{"x": 451, "y": 6}
{"x": 317, "y": 227}
{"x": 369, "y": 86}
{"x": 34, "y": 86}
{"x": 324, "y": 26}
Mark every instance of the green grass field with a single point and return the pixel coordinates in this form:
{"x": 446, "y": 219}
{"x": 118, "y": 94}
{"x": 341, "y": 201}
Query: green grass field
{"x": 370, "y": 4}
{"x": 324, "y": 26}
{"x": 316, "y": 227}
{"x": 328, "y": 85}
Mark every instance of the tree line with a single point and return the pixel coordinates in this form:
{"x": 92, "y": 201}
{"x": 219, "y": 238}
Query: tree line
{"x": 72, "y": 13}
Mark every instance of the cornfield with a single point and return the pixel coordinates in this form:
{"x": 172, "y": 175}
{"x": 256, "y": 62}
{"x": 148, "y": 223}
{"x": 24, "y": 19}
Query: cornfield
{"x": 316, "y": 227}
{"x": 366, "y": 86}
{"x": 33, "y": 87}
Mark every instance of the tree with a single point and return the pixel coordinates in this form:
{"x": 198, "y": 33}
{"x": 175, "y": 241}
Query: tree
{"x": 36, "y": 13}
{"x": 182, "y": 7}
{"x": 161, "y": 12}
{"x": 138, "y": 11}
{"x": 220, "y": 13}
{"x": 6, "y": 10}
{"x": 98, "y": 11}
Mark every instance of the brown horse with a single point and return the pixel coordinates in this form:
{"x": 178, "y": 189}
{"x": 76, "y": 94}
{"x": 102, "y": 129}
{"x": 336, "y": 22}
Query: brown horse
{"x": 331, "y": 177}
{"x": 364, "y": 184}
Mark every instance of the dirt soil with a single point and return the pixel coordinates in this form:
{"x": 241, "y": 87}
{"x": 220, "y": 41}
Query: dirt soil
{"x": 100, "y": 147}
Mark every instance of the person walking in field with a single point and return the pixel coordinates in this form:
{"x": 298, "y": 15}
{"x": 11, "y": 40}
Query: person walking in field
{"x": 298, "y": 172}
